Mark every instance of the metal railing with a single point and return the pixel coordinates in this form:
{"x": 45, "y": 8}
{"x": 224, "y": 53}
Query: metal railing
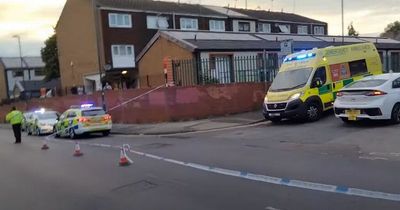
{"x": 224, "y": 70}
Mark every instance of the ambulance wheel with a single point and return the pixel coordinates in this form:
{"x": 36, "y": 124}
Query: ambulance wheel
{"x": 275, "y": 119}
{"x": 313, "y": 111}
{"x": 72, "y": 134}
{"x": 106, "y": 133}
{"x": 395, "y": 117}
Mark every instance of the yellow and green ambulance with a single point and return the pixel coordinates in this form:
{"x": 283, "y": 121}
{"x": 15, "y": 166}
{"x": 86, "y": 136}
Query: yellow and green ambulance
{"x": 307, "y": 81}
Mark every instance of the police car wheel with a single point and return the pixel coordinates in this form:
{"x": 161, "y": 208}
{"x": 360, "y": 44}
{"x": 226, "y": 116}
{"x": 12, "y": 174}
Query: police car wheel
{"x": 106, "y": 133}
{"x": 72, "y": 134}
{"x": 56, "y": 133}
{"x": 314, "y": 111}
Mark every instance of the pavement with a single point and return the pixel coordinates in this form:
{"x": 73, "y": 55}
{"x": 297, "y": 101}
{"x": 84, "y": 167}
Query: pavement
{"x": 262, "y": 166}
{"x": 189, "y": 126}
{"x": 211, "y": 123}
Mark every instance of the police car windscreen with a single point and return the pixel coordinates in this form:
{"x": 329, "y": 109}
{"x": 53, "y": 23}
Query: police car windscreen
{"x": 93, "y": 112}
{"x": 47, "y": 116}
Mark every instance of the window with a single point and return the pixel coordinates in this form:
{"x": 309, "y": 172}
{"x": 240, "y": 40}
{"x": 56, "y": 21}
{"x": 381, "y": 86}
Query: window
{"x": 244, "y": 26}
{"x": 120, "y": 20}
{"x": 358, "y": 67}
{"x": 320, "y": 73}
{"x": 302, "y": 29}
{"x": 123, "y": 56}
{"x": 285, "y": 29}
{"x": 396, "y": 83}
{"x": 189, "y": 24}
{"x": 319, "y": 30}
{"x": 157, "y": 22}
{"x": 18, "y": 73}
{"x": 395, "y": 61}
{"x": 40, "y": 72}
{"x": 367, "y": 83}
{"x": 217, "y": 25}
{"x": 71, "y": 115}
{"x": 264, "y": 27}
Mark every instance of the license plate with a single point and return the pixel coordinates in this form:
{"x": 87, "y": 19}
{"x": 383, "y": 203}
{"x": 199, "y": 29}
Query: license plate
{"x": 274, "y": 114}
{"x": 353, "y": 114}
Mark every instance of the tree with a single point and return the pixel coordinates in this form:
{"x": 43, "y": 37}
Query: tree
{"x": 50, "y": 58}
{"x": 352, "y": 31}
{"x": 392, "y": 31}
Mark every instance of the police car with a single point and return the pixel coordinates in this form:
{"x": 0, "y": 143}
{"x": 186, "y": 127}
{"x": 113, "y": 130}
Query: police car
{"x": 41, "y": 122}
{"x": 84, "y": 119}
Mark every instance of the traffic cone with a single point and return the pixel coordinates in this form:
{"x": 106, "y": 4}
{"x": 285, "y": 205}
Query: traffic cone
{"x": 123, "y": 159}
{"x": 45, "y": 147}
{"x": 77, "y": 152}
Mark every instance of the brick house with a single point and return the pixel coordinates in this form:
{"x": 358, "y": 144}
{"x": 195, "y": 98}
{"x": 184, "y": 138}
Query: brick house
{"x": 106, "y": 36}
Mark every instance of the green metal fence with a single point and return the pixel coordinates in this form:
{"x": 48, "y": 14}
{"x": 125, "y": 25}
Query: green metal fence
{"x": 225, "y": 69}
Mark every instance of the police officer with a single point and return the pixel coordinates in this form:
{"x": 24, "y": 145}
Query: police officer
{"x": 15, "y": 118}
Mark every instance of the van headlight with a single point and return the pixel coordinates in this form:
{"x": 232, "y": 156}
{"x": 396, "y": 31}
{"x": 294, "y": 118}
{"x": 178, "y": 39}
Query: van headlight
{"x": 295, "y": 96}
{"x": 265, "y": 99}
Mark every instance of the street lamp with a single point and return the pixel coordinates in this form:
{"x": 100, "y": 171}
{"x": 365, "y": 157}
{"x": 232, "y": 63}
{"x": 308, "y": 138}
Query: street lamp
{"x": 18, "y": 37}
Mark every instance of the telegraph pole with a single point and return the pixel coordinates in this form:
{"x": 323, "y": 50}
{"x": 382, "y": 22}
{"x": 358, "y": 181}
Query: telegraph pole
{"x": 342, "y": 22}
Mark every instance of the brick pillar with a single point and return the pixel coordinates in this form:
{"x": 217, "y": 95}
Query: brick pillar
{"x": 168, "y": 71}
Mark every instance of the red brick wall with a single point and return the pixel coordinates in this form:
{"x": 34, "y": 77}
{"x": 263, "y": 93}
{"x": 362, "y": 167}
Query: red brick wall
{"x": 166, "y": 104}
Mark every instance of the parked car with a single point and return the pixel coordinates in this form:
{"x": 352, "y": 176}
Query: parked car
{"x": 42, "y": 122}
{"x": 374, "y": 97}
{"x": 84, "y": 119}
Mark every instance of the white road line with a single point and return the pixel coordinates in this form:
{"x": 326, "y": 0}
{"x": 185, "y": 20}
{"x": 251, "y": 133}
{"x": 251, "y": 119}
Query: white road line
{"x": 269, "y": 179}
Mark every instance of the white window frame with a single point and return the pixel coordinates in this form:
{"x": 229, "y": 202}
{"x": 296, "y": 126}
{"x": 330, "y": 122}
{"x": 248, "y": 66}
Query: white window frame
{"x": 124, "y": 22}
{"x": 217, "y": 25}
{"x": 159, "y": 20}
{"x": 192, "y": 21}
{"x": 264, "y": 27}
{"x": 302, "y": 29}
{"x": 284, "y": 25}
{"x": 244, "y": 22}
{"x": 119, "y": 52}
{"x": 319, "y": 30}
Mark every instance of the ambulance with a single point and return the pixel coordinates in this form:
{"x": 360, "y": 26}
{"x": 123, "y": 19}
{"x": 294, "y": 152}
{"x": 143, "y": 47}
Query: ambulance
{"x": 307, "y": 81}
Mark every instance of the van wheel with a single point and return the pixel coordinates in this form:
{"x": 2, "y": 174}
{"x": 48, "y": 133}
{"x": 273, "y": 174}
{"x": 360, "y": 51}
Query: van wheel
{"x": 275, "y": 119}
{"x": 395, "y": 118}
{"x": 313, "y": 111}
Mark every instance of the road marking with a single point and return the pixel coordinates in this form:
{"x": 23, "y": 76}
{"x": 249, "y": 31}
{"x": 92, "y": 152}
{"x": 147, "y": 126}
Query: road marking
{"x": 344, "y": 190}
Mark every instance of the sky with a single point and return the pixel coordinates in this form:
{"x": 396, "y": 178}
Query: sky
{"x": 34, "y": 20}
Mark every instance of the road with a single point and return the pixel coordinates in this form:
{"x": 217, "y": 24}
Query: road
{"x": 352, "y": 158}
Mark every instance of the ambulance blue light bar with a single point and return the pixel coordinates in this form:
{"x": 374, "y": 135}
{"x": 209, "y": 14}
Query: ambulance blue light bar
{"x": 86, "y": 105}
{"x": 300, "y": 57}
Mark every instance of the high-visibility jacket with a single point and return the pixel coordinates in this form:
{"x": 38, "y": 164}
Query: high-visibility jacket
{"x": 15, "y": 117}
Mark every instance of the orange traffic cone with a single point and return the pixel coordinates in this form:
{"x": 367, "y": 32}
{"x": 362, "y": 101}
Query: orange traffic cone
{"x": 45, "y": 147}
{"x": 77, "y": 152}
{"x": 123, "y": 159}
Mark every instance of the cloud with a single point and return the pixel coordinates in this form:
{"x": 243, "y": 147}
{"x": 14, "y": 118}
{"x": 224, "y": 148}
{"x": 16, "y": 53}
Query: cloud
{"x": 34, "y": 19}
